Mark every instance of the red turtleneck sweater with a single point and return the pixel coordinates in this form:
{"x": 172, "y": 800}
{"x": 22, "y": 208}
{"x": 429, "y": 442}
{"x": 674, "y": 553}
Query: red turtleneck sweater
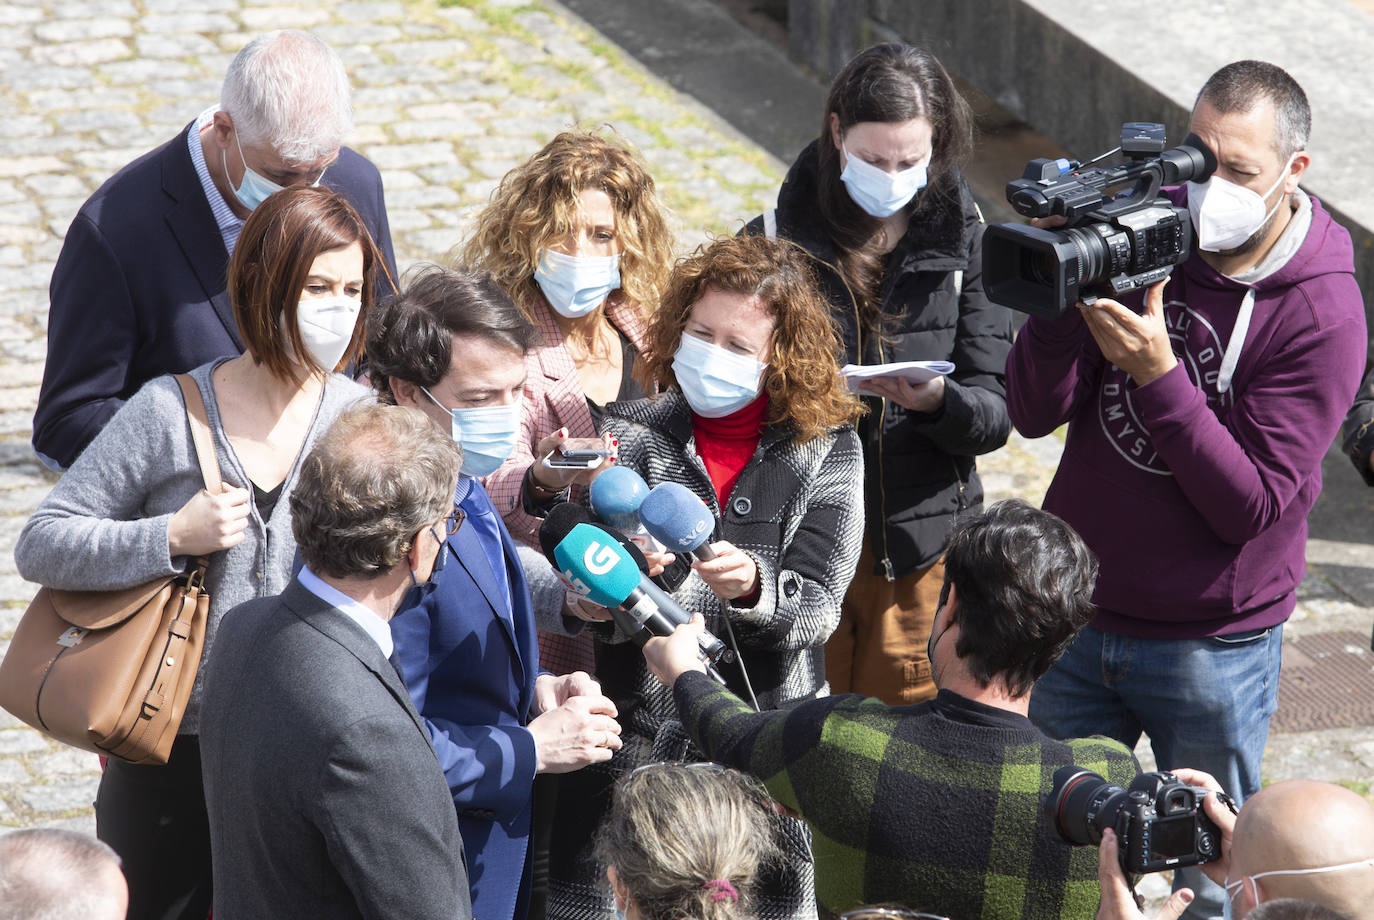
{"x": 726, "y": 444}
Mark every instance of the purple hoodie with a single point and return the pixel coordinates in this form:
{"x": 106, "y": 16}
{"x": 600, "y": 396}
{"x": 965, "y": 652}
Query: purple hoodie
{"x": 1196, "y": 501}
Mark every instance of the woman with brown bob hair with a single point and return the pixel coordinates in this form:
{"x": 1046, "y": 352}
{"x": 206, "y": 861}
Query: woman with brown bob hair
{"x": 133, "y": 506}
{"x": 757, "y": 422}
{"x": 577, "y": 237}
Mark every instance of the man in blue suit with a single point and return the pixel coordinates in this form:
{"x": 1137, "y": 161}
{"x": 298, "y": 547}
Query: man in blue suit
{"x": 453, "y": 345}
{"x": 139, "y": 287}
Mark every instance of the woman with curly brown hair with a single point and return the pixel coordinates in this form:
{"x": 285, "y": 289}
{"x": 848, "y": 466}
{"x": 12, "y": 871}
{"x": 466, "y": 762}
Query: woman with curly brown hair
{"x": 577, "y": 237}
{"x": 756, "y": 421}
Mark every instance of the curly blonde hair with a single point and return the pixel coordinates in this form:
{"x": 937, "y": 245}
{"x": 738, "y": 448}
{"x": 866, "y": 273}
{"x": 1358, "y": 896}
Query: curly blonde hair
{"x": 803, "y": 378}
{"x": 537, "y": 203}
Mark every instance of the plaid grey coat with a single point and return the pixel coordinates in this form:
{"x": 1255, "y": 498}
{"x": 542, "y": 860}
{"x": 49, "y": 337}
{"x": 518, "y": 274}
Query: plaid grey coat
{"x": 798, "y": 510}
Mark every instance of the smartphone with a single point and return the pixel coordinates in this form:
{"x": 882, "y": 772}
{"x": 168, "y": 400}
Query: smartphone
{"x": 577, "y": 454}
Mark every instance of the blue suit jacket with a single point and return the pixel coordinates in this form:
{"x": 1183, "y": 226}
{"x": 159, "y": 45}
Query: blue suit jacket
{"x": 139, "y": 289}
{"x": 470, "y": 663}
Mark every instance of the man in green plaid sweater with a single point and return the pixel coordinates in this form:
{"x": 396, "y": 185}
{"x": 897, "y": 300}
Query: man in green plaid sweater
{"x": 937, "y": 806}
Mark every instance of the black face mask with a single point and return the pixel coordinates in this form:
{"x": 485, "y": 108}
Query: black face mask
{"x": 420, "y": 590}
{"x": 933, "y": 639}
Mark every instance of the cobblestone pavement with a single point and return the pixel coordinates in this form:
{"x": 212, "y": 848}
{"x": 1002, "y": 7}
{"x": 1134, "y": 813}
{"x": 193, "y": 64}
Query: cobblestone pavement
{"x": 447, "y": 98}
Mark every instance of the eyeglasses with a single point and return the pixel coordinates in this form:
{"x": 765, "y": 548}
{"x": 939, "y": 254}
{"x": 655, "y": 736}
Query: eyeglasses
{"x": 888, "y": 913}
{"x": 452, "y": 521}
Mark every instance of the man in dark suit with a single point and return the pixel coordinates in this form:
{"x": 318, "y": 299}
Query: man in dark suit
{"x": 324, "y": 795}
{"x": 139, "y": 287}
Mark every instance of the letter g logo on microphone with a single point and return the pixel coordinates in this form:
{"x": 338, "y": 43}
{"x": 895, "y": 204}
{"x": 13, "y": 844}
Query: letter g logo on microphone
{"x": 599, "y": 559}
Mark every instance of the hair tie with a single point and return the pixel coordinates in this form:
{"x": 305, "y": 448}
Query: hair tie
{"x": 720, "y": 890}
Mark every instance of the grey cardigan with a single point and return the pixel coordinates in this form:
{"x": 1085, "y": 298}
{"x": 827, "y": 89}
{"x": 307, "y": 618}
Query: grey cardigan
{"x": 104, "y": 525}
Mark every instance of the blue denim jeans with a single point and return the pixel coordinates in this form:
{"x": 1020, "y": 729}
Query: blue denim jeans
{"x": 1205, "y": 703}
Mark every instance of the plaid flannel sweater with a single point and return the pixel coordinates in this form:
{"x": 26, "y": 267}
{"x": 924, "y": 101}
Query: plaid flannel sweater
{"x": 936, "y": 806}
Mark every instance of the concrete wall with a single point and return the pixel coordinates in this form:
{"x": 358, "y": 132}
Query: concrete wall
{"x": 1076, "y": 69}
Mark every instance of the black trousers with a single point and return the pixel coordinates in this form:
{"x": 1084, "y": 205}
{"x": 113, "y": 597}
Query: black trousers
{"x": 154, "y": 818}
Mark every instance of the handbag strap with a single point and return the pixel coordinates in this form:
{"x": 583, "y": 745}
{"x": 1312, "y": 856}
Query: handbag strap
{"x": 204, "y": 442}
{"x": 200, "y": 434}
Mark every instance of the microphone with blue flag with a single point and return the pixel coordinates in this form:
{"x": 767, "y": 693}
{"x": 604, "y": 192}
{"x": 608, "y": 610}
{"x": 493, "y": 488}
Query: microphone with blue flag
{"x": 601, "y": 570}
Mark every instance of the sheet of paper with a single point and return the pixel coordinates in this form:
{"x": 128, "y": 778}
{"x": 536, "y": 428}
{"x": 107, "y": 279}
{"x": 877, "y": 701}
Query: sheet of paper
{"x": 913, "y": 371}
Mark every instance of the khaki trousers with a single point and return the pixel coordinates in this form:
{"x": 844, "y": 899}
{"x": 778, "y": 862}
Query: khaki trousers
{"x": 879, "y": 648}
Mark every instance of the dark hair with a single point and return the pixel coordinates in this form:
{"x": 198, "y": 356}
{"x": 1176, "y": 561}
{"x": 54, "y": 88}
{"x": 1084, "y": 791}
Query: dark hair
{"x": 276, "y": 249}
{"x": 411, "y": 336}
{"x": 1292, "y": 909}
{"x": 892, "y": 82}
{"x": 803, "y": 379}
{"x": 1025, "y": 580}
{"x": 1238, "y": 86}
{"x": 375, "y": 479}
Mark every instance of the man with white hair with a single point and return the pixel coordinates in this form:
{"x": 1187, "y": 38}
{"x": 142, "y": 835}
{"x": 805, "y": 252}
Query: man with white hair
{"x": 51, "y": 874}
{"x": 139, "y": 287}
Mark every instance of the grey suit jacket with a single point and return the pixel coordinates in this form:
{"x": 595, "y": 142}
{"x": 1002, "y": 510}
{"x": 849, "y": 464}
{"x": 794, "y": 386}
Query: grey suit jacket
{"x": 324, "y": 794}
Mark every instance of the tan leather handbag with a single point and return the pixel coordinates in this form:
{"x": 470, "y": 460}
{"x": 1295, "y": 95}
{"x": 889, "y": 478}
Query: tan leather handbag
{"x": 111, "y": 671}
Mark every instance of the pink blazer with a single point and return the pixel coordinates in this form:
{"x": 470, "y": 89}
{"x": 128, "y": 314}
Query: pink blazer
{"x": 554, "y": 398}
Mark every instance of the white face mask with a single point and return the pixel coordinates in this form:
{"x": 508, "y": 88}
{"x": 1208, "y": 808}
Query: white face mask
{"x": 714, "y": 381}
{"x": 878, "y": 192}
{"x": 1225, "y": 215}
{"x": 576, "y": 285}
{"x": 1233, "y": 888}
{"x": 326, "y": 326}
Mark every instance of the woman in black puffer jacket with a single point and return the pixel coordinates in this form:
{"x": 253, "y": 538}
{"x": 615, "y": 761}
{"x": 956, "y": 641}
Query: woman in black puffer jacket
{"x": 880, "y": 204}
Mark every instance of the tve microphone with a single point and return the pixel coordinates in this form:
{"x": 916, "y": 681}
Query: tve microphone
{"x": 679, "y": 520}
{"x": 603, "y": 572}
{"x": 615, "y": 497}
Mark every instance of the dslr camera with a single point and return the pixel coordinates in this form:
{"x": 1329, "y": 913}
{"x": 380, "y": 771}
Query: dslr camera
{"x": 1159, "y": 822}
{"x": 1109, "y": 244}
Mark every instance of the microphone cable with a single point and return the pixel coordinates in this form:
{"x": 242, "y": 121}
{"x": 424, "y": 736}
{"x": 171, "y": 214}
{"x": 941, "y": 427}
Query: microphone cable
{"x": 739, "y": 657}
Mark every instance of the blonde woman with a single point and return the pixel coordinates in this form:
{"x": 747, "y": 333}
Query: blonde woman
{"x": 686, "y": 842}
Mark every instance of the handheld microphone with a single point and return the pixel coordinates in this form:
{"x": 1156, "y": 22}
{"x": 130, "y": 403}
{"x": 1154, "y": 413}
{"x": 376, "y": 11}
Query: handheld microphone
{"x": 615, "y": 497}
{"x": 603, "y": 572}
{"x": 673, "y": 515}
{"x": 563, "y": 517}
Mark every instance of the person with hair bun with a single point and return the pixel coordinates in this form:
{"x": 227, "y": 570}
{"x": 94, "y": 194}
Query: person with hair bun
{"x": 756, "y": 421}
{"x": 577, "y": 237}
{"x": 686, "y": 842}
{"x": 133, "y": 506}
{"x": 879, "y": 203}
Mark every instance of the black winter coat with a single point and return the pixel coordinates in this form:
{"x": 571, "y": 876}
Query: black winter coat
{"x": 919, "y": 468}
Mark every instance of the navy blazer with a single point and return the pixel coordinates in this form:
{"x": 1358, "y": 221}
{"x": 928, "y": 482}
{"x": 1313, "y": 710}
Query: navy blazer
{"x": 139, "y": 289}
{"x": 470, "y": 661}
{"x": 322, "y": 790}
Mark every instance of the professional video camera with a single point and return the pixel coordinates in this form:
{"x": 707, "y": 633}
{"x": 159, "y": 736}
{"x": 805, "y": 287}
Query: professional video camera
{"x": 1108, "y": 244}
{"x": 1158, "y": 821}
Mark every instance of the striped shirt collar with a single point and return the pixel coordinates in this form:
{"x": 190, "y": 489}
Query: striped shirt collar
{"x": 228, "y": 222}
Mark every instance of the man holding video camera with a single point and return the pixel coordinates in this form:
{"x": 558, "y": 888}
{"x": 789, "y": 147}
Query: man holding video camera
{"x": 1197, "y": 424}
